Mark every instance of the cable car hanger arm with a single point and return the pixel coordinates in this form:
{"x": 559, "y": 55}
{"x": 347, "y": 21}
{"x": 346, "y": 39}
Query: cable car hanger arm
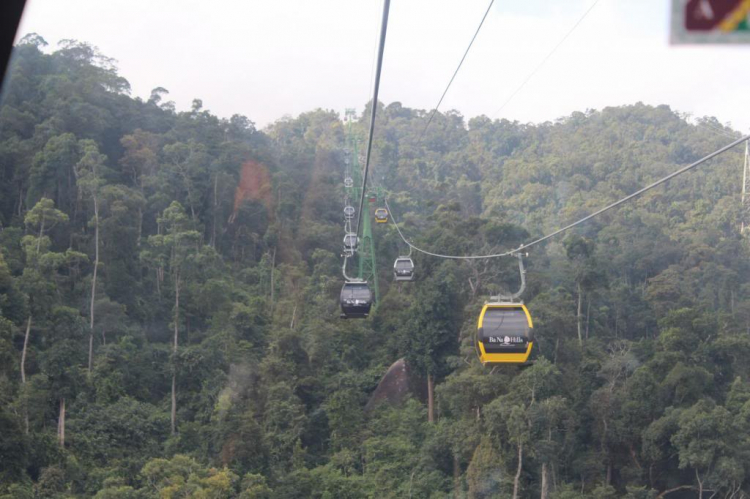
{"x": 517, "y": 294}
{"x": 576, "y": 223}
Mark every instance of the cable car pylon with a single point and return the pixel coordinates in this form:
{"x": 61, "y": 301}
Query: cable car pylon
{"x": 364, "y": 246}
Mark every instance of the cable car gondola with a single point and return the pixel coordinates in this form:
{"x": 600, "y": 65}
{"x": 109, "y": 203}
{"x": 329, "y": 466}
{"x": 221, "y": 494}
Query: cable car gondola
{"x": 348, "y": 182}
{"x": 504, "y": 333}
{"x": 403, "y": 269}
{"x": 349, "y": 212}
{"x": 381, "y": 215}
{"x": 350, "y": 243}
{"x": 356, "y": 300}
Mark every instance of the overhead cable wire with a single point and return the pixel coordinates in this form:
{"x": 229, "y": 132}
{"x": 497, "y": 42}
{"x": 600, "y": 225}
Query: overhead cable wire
{"x": 435, "y": 109}
{"x": 708, "y": 124}
{"x": 546, "y": 58}
{"x": 374, "y": 108}
{"x": 716, "y": 132}
{"x": 372, "y": 62}
{"x": 717, "y": 129}
{"x": 576, "y": 223}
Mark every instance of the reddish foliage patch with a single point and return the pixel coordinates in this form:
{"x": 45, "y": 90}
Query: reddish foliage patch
{"x": 255, "y": 185}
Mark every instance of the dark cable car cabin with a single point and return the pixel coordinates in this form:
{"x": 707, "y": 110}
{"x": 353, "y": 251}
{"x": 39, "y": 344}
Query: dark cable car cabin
{"x": 356, "y": 300}
{"x": 349, "y": 212}
{"x": 504, "y": 334}
{"x": 381, "y": 215}
{"x": 403, "y": 269}
{"x": 350, "y": 243}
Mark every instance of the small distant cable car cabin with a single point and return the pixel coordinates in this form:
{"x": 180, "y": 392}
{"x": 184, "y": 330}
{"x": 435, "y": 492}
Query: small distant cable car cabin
{"x": 505, "y": 333}
{"x": 349, "y": 212}
{"x": 356, "y": 300}
{"x": 381, "y": 215}
{"x": 403, "y": 269}
{"x": 348, "y": 182}
{"x": 350, "y": 243}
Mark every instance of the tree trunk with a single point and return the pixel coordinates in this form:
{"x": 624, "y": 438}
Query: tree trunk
{"x": 91, "y": 352}
{"x": 39, "y": 240}
{"x": 430, "y": 399}
{"x": 588, "y": 317}
{"x": 23, "y": 373}
{"x": 174, "y": 401}
{"x": 186, "y": 179}
{"x": 545, "y": 482}
{"x": 93, "y": 284}
{"x": 216, "y": 207}
{"x": 605, "y": 450}
{"x": 273, "y": 267}
{"x": 578, "y": 315}
{"x": 61, "y": 424}
{"x": 25, "y": 348}
{"x": 557, "y": 348}
{"x": 174, "y": 353}
{"x": 517, "y": 478}
{"x": 140, "y": 226}
{"x": 456, "y": 477}
{"x": 554, "y": 478}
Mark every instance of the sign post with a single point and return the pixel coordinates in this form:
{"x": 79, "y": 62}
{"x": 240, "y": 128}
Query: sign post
{"x": 710, "y": 21}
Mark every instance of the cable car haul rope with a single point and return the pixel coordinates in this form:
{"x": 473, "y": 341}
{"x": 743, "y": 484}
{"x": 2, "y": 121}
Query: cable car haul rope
{"x": 577, "y": 222}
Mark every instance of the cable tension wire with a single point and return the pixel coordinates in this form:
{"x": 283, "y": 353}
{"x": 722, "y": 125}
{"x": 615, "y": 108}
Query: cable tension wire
{"x": 546, "y": 58}
{"x": 576, "y": 223}
{"x": 435, "y": 109}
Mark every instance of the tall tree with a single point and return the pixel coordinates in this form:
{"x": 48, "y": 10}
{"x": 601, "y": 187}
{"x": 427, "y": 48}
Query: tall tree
{"x": 42, "y": 217}
{"x": 431, "y": 333}
{"x": 174, "y": 249}
{"x": 580, "y": 251}
{"x": 89, "y": 179}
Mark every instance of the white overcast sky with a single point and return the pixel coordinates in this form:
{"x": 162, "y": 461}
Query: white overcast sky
{"x": 270, "y": 58}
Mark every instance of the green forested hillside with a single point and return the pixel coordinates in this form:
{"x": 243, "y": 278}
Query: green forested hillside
{"x": 169, "y": 302}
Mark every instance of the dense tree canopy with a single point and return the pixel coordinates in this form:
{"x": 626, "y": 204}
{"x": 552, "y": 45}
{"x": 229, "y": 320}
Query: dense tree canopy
{"x": 169, "y": 318}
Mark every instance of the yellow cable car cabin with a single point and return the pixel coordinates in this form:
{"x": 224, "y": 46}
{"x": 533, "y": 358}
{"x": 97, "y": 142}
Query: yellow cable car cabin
{"x": 381, "y": 215}
{"x": 504, "y": 334}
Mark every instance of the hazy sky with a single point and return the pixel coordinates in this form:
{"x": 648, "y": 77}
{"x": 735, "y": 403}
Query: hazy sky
{"x": 270, "y": 58}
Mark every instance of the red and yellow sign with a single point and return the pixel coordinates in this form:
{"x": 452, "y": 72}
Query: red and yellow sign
{"x": 710, "y": 21}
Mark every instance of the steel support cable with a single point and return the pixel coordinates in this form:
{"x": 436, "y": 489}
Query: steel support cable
{"x": 376, "y": 89}
{"x": 435, "y": 109}
{"x": 372, "y": 62}
{"x": 705, "y": 122}
{"x": 546, "y": 58}
{"x": 576, "y": 223}
{"x": 711, "y": 128}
